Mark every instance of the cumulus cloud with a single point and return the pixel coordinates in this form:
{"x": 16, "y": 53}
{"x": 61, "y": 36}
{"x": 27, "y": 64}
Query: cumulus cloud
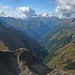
{"x": 45, "y": 14}
{"x": 61, "y": 16}
{"x": 66, "y": 7}
{"x": 1, "y": 13}
{"x": 51, "y": 14}
{"x": 27, "y": 11}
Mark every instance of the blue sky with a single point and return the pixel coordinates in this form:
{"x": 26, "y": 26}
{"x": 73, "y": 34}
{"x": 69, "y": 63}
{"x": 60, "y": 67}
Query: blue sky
{"x": 37, "y": 5}
{"x": 28, "y": 8}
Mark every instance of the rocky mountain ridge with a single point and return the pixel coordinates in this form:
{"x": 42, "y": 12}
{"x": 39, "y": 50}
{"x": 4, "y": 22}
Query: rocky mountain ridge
{"x": 11, "y": 38}
{"x": 21, "y": 62}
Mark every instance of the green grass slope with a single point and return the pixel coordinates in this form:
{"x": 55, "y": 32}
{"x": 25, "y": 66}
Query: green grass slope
{"x": 58, "y": 37}
{"x": 64, "y": 58}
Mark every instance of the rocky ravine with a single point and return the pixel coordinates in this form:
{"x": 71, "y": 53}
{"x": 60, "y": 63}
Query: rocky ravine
{"x": 21, "y": 62}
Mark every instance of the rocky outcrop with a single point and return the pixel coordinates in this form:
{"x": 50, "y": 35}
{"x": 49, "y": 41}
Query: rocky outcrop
{"x": 29, "y": 64}
{"x": 21, "y": 62}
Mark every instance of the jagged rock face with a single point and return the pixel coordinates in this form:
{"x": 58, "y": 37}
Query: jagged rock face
{"x": 21, "y": 62}
{"x": 29, "y": 64}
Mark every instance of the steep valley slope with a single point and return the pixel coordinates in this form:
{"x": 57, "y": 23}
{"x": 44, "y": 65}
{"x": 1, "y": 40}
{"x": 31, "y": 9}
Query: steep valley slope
{"x": 12, "y": 39}
{"x": 60, "y": 43}
{"x": 20, "y": 55}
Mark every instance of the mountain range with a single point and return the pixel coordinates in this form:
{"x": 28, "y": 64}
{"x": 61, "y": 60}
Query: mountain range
{"x": 20, "y": 54}
{"x": 44, "y": 46}
{"x": 12, "y": 39}
{"x": 35, "y": 29}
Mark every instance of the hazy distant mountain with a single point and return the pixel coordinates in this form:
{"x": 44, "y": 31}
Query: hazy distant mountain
{"x": 35, "y": 29}
{"x": 49, "y": 21}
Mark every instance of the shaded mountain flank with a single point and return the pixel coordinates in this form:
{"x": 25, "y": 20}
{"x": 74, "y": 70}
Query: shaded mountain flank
{"x": 11, "y": 38}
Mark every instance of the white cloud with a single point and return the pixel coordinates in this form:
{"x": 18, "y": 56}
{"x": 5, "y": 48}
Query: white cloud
{"x": 45, "y": 14}
{"x": 66, "y": 7}
{"x": 21, "y": 16}
{"x": 22, "y": 12}
{"x": 4, "y": 7}
{"x": 1, "y": 13}
{"x": 61, "y": 16}
{"x": 51, "y": 14}
{"x": 27, "y": 11}
{"x": 57, "y": 9}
